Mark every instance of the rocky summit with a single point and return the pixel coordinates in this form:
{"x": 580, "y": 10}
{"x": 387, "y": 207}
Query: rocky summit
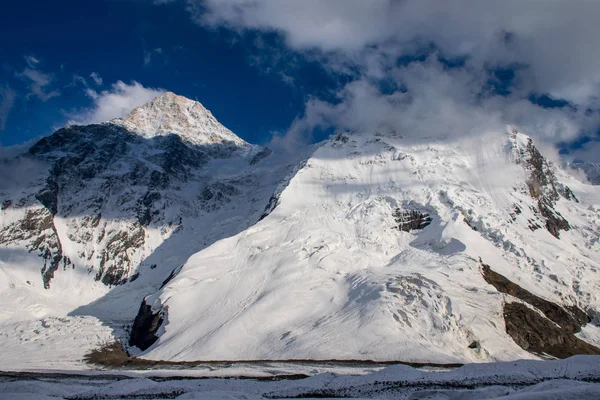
{"x": 166, "y": 231}
{"x": 105, "y": 200}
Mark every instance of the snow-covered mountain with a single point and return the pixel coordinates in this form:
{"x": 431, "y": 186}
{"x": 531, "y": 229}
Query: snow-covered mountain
{"x": 123, "y": 204}
{"x": 377, "y": 245}
{"x": 390, "y": 247}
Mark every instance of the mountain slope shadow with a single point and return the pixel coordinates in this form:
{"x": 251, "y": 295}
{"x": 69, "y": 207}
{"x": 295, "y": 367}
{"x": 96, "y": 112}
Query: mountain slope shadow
{"x": 228, "y": 206}
{"x": 124, "y": 210}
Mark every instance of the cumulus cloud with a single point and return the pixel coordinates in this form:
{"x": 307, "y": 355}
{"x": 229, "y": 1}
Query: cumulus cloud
{"x": 549, "y": 46}
{"x": 114, "y": 103}
{"x": 557, "y": 39}
{"x": 7, "y": 99}
{"x": 435, "y": 102}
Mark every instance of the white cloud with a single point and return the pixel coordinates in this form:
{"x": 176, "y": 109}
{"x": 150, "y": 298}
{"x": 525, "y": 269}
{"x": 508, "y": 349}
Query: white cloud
{"x": 39, "y": 83}
{"x": 438, "y": 102}
{"x": 32, "y": 61}
{"x": 588, "y": 152}
{"x": 96, "y": 78}
{"x": 15, "y": 170}
{"x": 555, "y": 41}
{"x": 556, "y": 38}
{"x": 114, "y": 103}
{"x": 329, "y": 25}
{"x": 7, "y": 99}
{"x": 78, "y": 79}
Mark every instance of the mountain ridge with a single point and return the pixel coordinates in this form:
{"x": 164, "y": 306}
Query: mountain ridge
{"x": 331, "y": 273}
{"x": 174, "y": 114}
{"x": 370, "y": 246}
{"x": 106, "y": 198}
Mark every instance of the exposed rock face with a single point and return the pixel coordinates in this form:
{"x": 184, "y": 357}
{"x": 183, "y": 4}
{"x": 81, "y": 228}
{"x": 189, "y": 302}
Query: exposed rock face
{"x": 145, "y": 326}
{"x": 102, "y": 170}
{"x": 113, "y": 184}
{"x": 266, "y": 152}
{"x": 572, "y": 320}
{"x": 409, "y": 220}
{"x": 172, "y": 275}
{"x": 216, "y": 194}
{"x": 273, "y": 201}
{"x": 547, "y": 328}
{"x": 115, "y": 255}
{"x": 539, "y": 335}
{"x": 39, "y": 234}
{"x": 543, "y": 186}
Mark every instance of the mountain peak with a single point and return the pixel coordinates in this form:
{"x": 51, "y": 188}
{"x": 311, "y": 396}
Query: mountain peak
{"x": 173, "y": 114}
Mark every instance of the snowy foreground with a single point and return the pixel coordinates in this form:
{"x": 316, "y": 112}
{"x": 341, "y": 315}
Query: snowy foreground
{"x": 577, "y": 377}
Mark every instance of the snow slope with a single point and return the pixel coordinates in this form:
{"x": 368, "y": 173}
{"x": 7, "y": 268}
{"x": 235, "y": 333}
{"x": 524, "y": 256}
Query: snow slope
{"x": 94, "y": 218}
{"x": 327, "y": 275}
{"x": 371, "y": 248}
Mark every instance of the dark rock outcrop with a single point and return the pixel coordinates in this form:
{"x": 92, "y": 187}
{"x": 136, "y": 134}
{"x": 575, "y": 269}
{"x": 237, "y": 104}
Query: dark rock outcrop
{"x": 539, "y": 335}
{"x": 215, "y": 195}
{"x": 115, "y": 264}
{"x": 144, "y": 329}
{"x": 554, "y": 221}
{"x": 38, "y": 231}
{"x": 274, "y": 199}
{"x": 409, "y": 220}
{"x": 544, "y": 328}
{"x": 271, "y": 205}
{"x": 545, "y": 188}
{"x": 571, "y": 319}
{"x": 172, "y": 275}
{"x": 264, "y": 153}
{"x": 569, "y": 195}
{"x": 146, "y": 210}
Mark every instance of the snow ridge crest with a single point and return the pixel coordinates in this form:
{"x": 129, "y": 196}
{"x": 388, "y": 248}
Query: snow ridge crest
{"x": 174, "y": 114}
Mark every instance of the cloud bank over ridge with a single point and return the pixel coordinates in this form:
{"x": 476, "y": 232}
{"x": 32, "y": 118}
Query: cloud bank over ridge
{"x": 435, "y": 68}
{"x": 114, "y": 103}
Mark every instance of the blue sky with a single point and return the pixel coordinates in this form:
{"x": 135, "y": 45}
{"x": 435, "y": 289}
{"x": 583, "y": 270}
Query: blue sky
{"x": 286, "y": 72}
{"x": 157, "y": 46}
